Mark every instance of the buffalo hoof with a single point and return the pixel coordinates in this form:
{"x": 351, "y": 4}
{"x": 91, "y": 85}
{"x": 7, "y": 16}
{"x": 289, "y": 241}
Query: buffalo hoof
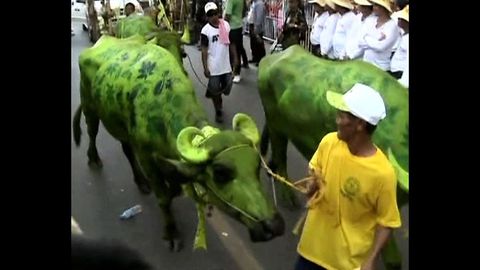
{"x": 95, "y": 164}
{"x": 174, "y": 245}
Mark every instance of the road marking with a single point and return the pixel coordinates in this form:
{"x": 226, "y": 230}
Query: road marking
{"x": 233, "y": 243}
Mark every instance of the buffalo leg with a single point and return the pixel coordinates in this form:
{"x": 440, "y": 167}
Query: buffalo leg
{"x": 140, "y": 180}
{"x": 165, "y": 196}
{"x": 92, "y": 125}
{"x": 264, "y": 141}
{"x": 279, "y": 163}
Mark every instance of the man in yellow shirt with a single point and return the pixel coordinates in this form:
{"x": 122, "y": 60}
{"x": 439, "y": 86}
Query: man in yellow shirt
{"x": 353, "y": 208}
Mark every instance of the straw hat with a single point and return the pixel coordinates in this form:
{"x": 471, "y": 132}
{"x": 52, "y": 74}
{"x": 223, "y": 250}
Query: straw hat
{"x": 330, "y": 4}
{"x": 362, "y": 2}
{"x": 384, "y": 3}
{"x": 321, "y": 3}
{"x": 343, "y": 3}
{"x": 403, "y": 14}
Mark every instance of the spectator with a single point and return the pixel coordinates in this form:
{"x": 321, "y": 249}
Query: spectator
{"x": 379, "y": 38}
{"x": 294, "y": 26}
{"x": 326, "y": 35}
{"x": 364, "y": 18}
{"x": 321, "y": 16}
{"x": 399, "y": 59}
{"x": 343, "y": 28}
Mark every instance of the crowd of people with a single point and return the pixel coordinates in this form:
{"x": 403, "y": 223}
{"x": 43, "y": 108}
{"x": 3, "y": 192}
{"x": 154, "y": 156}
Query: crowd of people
{"x": 375, "y": 31}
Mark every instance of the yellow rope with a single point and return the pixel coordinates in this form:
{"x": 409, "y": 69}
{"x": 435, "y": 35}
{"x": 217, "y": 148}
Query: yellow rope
{"x": 283, "y": 179}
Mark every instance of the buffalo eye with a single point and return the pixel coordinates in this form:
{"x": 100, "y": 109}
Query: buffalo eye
{"x": 222, "y": 174}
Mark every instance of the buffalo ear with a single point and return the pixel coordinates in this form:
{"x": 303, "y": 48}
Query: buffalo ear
{"x": 178, "y": 171}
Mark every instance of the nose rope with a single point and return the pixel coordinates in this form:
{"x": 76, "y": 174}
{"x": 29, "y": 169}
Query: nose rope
{"x": 291, "y": 184}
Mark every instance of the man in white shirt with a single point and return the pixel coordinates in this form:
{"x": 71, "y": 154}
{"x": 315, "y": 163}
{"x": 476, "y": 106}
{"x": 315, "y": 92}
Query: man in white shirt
{"x": 326, "y": 35}
{"x": 343, "y": 28}
{"x": 404, "y": 80}
{"x": 380, "y": 37}
{"x": 364, "y": 18}
{"x": 216, "y": 52}
{"x": 321, "y": 16}
{"x": 400, "y": 59}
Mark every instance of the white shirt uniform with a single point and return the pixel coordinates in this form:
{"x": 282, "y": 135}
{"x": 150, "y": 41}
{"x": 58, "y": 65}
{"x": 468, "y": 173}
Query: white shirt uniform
{"x": 218, "y": 53}
{"x": 327, "y": 34}
{"x": 342, "y": 30}
{"x": 404, "y": 79}
{"x": 317, "y": 27}
{"x": 399, "y": 59}
{"x": 359, "y": 28}
{"x": 378, "y": 44}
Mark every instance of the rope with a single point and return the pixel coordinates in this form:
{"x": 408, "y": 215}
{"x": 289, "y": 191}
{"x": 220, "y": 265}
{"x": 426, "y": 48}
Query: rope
{"x": 283, "y": 179}
{"x": 191, "y": 65}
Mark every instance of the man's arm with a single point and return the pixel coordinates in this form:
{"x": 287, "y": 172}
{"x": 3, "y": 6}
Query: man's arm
{"x": 382, "y": 234}
{"x": 204, "y": 44}
{"x": 228, "y": 10}
{"x": 388, "y": 218}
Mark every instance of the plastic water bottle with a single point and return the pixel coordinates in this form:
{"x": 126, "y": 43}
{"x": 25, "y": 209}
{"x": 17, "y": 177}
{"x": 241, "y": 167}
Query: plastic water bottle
{"x": 131, "y": 212}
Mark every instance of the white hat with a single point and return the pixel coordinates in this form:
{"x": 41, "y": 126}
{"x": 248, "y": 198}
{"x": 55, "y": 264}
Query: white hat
{"x": 210, "y": 6}
{"x": 362, "y": 101}
{"x": 321, "y": 3}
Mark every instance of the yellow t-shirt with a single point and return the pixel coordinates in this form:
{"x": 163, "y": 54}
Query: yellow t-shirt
{"x": 360, "y": 192}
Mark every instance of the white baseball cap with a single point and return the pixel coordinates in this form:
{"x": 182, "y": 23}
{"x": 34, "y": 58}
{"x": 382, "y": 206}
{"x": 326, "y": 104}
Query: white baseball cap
{"x": 210, "y": 6}
{"x": 362, "y": 101}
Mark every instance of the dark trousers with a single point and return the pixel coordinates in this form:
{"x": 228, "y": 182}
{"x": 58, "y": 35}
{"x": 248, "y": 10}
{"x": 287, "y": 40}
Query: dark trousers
{"x": 257, "y": 46}
{"x": 397, "y": 74}
{"x": 316, "y": 50}
{"x": 236, "y": 38}
{"x": 304, "y": 264}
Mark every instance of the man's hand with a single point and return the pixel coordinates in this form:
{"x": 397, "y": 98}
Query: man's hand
{"x": 206, "y": 72}
{"x": 369, "y": 264}
{"x": 311, "y": 187}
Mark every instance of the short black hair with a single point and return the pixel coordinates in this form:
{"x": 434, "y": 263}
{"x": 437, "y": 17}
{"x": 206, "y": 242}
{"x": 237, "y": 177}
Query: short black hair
{"x": 130, "y": 4}
{"x": 370, "y": 128}
{"x": 212, "y": 12}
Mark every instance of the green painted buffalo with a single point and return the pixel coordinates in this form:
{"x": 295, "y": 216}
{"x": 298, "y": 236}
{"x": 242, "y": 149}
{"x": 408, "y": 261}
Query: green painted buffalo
{"x": 144, "y": 99}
